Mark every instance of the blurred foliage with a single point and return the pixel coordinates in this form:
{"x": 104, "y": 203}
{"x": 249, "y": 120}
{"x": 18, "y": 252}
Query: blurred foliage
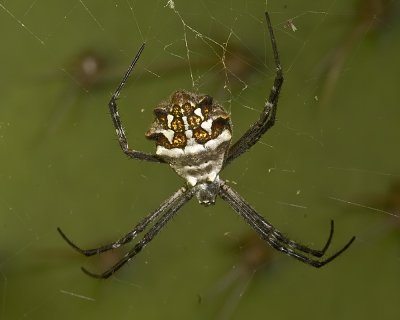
{"x": 332, "y": 155}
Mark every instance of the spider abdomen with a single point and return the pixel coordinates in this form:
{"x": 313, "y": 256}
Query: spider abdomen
{"x": 192, "y": 134}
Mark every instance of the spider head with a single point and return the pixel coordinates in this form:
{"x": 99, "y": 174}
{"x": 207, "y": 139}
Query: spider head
{"x": 206, "y": 192}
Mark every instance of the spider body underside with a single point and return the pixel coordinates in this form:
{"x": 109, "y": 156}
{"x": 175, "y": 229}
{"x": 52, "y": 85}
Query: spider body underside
{"x": 193, "y": 135}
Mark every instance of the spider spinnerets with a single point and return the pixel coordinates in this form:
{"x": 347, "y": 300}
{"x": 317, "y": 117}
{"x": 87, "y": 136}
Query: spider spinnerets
{"x": 193, "y": 134}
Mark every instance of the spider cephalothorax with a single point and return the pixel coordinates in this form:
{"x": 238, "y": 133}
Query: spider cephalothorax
{"x": 192, "y": 135}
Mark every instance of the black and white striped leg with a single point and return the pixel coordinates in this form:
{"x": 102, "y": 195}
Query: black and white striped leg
{"x": 167, "y": 215}
{"x": 265, "y": 225}
{"x": 267, "y": 117}
{"x": 274, "y": 237}
{"x": 123, "y": 141}
{"x": 140, "y": 227}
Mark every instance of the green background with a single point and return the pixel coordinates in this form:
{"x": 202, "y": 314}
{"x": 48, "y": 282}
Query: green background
{"x": 333, "y": 154}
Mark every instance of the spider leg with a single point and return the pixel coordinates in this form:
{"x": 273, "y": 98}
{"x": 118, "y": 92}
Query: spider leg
{"x": 270, "y": 234}
{"x": 313, "y": 262}
{"x": 141, "y": 226}
{"x": 184, "y": 197}
{"x": 266, "y": 228}
{"x": 123, "y": 141}
{"x": 267, "y": 117}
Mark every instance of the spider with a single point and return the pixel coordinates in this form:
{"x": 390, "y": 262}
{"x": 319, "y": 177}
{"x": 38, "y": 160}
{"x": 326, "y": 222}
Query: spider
{"x": 192, "y": 134}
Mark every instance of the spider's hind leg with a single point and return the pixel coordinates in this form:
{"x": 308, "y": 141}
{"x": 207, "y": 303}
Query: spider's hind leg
{"x": 268, "y": 114}
{"x": 112, "y": 104}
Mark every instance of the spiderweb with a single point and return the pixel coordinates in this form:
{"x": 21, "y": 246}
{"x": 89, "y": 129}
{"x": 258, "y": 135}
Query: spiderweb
{"x": 333, "y": 154}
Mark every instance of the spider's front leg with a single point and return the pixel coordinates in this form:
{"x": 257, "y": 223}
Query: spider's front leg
{"x": 159, "y": 217}
{"x": 123, "y": 141}
{"x": 175, "y": 202}
{"x": 274, "y": 237}
{"x": 131, "y": 235}
{"x": 267, "y": 117}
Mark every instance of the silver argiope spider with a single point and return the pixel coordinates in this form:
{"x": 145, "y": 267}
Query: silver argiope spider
{"x": 192, "y": 134}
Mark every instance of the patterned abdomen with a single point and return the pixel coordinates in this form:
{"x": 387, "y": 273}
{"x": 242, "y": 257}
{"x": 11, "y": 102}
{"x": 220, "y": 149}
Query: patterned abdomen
{"x": 192, "y": 135}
